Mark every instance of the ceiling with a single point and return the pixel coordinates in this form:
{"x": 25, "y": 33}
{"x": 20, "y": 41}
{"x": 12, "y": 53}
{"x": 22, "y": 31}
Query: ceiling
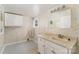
{"x": 27, "y": 9}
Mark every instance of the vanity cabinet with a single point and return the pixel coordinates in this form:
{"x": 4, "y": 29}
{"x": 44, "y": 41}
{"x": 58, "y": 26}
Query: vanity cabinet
{"x": 13, "y": 20}
{"x": 47, "y": 47}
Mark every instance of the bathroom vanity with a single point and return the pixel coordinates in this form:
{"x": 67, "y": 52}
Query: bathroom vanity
{"x": 52, "y": 44}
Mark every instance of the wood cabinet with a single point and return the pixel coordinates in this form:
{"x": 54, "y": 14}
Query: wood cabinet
{"x": 13, "y": 20}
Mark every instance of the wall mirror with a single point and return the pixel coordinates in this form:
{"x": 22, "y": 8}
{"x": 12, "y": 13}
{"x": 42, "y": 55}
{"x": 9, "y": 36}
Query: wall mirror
{"x": 60, "y": 19}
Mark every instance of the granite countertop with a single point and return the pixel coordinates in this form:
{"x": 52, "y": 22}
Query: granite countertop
{"x": 60, "y": 41}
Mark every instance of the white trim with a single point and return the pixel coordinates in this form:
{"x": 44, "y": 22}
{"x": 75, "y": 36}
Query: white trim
{"x": 2, "y": 50}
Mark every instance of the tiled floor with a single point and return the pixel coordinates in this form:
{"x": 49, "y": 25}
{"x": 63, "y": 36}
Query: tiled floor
{"x": 28, "y": 47}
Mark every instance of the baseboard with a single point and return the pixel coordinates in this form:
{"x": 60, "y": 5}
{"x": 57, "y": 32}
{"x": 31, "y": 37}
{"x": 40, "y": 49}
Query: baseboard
{"x": 2, "y": 49}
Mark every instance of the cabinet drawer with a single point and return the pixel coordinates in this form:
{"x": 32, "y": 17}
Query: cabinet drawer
{"x": 56, "y": 48}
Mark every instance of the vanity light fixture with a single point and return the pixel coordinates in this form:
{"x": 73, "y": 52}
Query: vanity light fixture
{"x": 58, "y": 8}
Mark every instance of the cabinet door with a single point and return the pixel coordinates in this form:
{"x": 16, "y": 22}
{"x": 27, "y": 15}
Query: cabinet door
{"x": 41, "y": 45}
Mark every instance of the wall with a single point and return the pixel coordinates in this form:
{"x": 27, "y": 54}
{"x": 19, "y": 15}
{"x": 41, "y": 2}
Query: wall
{"x": 76, "y": 21}
{"x": 15, "y": 34}
{"x": 73, "y": 32}
{"x": 1, "y": 27}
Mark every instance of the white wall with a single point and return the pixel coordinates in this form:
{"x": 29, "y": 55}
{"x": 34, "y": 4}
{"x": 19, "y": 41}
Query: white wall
{"x": 2, "y": 27}
{"x": 15, "y": 34}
